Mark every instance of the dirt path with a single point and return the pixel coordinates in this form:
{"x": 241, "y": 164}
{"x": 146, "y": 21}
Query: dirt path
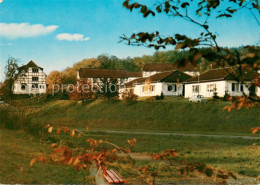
{"x": 177, "y": 134}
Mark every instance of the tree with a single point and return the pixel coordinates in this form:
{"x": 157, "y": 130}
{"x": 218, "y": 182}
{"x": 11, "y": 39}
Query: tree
{"x": 11, "y": 72}
{"x": 83, "y": 91}
{"x": 54, "y": 79}
{"x": 244, "y": 59}
{"x": 108, "y": 88}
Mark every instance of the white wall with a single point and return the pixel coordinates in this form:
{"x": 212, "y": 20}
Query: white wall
{"x": 221, "y": 87}
{"x": 158, "y": 89}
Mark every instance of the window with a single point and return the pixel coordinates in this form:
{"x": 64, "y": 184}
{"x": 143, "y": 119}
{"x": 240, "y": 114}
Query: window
{"x": 35, "y": 86}
{"x": 152, "y": 87}
{"x": 35, "y": 70}
{"x": 235, "y": 87}
{"x": 241, "y": 87}
{"x": 196, "y": 88}
{"x": 142, "y": 88}
{"x": 172, "y": 87}
{"x": 23, "y": 87}
{"x": 211, "y": 87}
{"x": 35, "y": 79}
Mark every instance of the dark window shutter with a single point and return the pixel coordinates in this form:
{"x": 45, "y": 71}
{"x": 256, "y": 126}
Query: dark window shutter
{"x": 233, "y": 86}
{"x": 241, "y": 87}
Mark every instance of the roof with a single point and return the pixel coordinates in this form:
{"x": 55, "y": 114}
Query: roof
{"x": 158, "y": 67}
{"x": 134, "y": 74}
{"x": 221, "y": 74}
{"x": 101, "y": 73}
{"x": 169, "y": 76}
{"x": 30, "y": 64}
{"x": 161, "y": 67}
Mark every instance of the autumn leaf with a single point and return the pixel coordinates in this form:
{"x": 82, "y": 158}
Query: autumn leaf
{"x": 42, "y": 159}
{"x": 58, "y": 131}
{"x": 32, "y": 162}
{"x": 54, "y": 145}
{"x": 255, "y": 130}
{"x": 50, "y": 129}
{"x": 76, "y": 161}
{"x": 258, "y": 178}
{"x": 79, "y": 134}
{"x": 72, "y": 132}
{"x": 87, "y": 128}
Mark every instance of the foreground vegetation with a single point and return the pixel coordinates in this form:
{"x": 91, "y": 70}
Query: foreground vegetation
{"x": 240, "y": 156}
{"x": 18, "y": 148}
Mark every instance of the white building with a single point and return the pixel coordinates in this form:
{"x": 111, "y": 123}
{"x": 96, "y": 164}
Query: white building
{"x": 153, "y": 68}
{"x": 220, "y": 81}
{"x": 30, "y": 80}
{"x": 168, "y": 83}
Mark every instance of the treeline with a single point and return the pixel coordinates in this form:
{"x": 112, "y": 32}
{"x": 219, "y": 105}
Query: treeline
{"x": 68, "y": 76}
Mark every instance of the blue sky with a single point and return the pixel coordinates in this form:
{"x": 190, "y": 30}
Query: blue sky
{"x": 57, "y": 33}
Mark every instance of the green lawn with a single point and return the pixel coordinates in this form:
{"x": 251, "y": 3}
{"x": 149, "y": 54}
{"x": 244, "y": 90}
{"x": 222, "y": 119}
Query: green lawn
{"x": 169, "y": 115}
{"x": 18, "y": 148}
{"x": 240, "y": 156}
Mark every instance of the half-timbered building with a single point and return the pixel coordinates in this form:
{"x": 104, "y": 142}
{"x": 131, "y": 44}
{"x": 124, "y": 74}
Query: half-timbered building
{"x": 30, "y": 80}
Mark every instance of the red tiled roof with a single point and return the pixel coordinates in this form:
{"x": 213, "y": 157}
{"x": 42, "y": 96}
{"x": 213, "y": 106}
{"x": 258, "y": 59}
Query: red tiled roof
{"x": 134, "y": 74}
{"x": 215, "y": 74}
{"x": 169, "y": 76}
{"x": 222, "y": 74}
{"x": 101, "y": 73}
{"x": 161, "y": 67}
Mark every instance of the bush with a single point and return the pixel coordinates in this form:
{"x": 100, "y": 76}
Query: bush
{"x": 162, "y": 96}
{"x": 157, "y": 97}
{"x": 215, "y": 95}
{"x": 129, "y": 96}
{"x": 226, "y": 96}
{"x": 15, "y": 119}
{"x": 12, "y": 118}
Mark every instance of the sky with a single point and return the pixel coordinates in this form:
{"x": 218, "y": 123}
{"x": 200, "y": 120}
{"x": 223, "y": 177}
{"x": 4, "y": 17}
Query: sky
{"x": 58, "y": 33}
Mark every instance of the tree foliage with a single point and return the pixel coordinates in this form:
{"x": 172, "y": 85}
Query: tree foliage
{"x": 246, "y": 59}
{"x": 11, "y": 72}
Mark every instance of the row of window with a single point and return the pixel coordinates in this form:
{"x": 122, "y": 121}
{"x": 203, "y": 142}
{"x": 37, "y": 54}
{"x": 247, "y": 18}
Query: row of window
{"x": 236, "y": 87}
{"x": 170, "y": 88}
{"x": 34, "y": 86}
{"x": 34, "y": 70}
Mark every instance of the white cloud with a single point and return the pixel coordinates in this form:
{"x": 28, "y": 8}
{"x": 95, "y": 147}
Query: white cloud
{"x": 24, "y": 30}
{"x": 72, "y": 37}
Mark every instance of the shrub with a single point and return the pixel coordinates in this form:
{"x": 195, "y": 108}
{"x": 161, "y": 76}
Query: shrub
{"x": 129, "y": 97}
{"x": 162, "y": 96}
{"x": 226, "y": 96}
{"x": 157, "y": 97}
{"x": 215, "y": 94}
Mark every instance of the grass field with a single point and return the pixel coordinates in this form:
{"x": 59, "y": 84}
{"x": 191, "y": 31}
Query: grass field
{"x": 18, "y": 148}
{"x": 241, "y": 156}
{"x": 171, "y": 114}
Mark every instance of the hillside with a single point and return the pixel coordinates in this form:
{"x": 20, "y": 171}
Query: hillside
{"x": 171, "y": 114}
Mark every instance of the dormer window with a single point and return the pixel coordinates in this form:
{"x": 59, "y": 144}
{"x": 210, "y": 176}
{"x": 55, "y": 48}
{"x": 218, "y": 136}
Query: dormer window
{"x": 35, "y": 70}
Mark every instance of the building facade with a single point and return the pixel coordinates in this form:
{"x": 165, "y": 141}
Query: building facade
{"x": 220, "y": 81}
{"x": 30, "y": 80}
{"x": 166, "y": 83}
